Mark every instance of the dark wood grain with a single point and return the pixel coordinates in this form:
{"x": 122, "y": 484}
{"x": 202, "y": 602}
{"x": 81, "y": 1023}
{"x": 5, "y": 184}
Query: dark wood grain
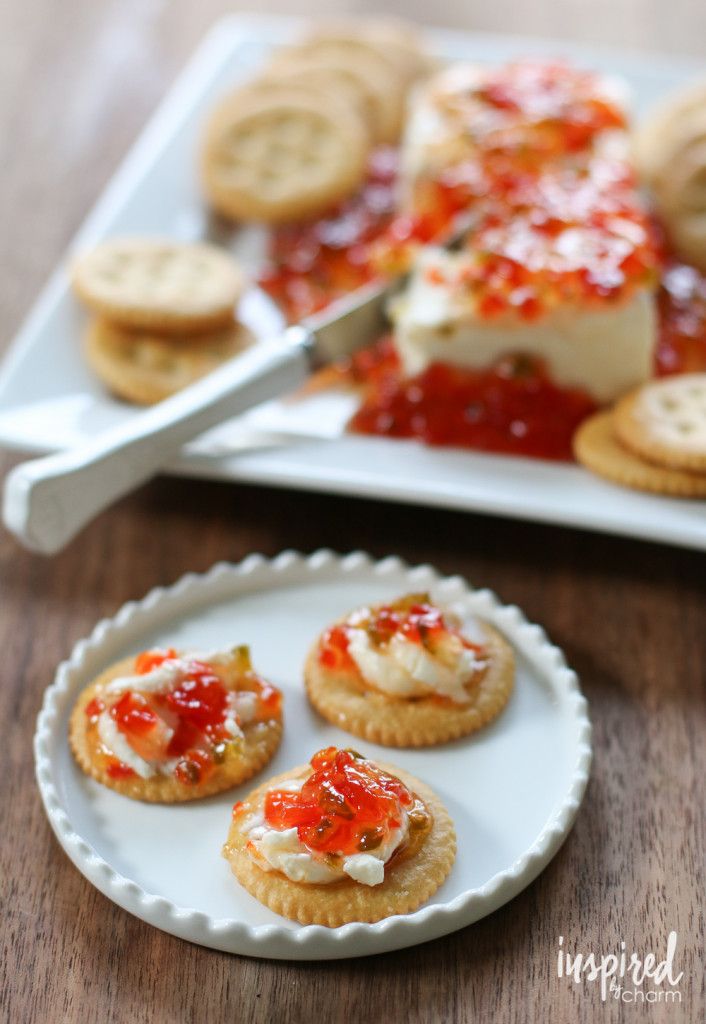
{"x": 77, "y": 81}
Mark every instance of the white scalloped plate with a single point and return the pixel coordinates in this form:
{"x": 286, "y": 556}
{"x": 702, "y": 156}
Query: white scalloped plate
{"x": 513, "y": 790}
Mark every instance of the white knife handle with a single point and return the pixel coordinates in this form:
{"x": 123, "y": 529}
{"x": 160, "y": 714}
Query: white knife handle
{"x": 48, "y": 500}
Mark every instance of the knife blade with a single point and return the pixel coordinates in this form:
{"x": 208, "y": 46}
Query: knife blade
{"x": 352, "y": 322}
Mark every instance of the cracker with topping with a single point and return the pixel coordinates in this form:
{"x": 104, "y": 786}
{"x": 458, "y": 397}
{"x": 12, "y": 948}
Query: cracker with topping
{"x": 341, "y": 839}
{"x": 167, "y": 727}
{"x": 404, "y": 675}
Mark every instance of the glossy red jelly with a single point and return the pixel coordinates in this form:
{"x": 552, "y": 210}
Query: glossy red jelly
{"x": 413, "y": 616}
{"x": 313, "y": 263}
{"x": 682, "y": 317}
{"x": 557, "y": 221}
{"x": 186, "y": 720}
{"x": 346, "y": 806}
{"x": 513, "y": 407}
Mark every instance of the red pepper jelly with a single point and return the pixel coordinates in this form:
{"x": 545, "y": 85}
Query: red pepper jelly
{"x": 557, "y": 222}
{"x": 190, "y": 721}
{"x": 573, "y": 237}
{"x": 513, "y": 407}
{"x": 313, "y": 263}
{"x": 413, "y": 616}
{"x": 347, "y": 805}
{"x": 531, "y": 110}
{"x": 682, "y": 320}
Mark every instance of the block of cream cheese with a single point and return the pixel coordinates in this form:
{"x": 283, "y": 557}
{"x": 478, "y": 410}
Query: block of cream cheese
{"x": 603, "y": 348}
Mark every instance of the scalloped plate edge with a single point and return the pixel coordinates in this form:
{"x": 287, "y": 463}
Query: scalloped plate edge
{"x": 313, "y": 941}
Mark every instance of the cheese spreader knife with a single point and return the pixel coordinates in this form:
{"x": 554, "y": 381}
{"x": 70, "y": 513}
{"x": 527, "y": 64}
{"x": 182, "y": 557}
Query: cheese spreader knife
{"x": 48, "y": 500}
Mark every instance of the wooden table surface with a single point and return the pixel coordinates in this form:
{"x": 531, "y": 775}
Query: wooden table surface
{"x": 77, "y": 81}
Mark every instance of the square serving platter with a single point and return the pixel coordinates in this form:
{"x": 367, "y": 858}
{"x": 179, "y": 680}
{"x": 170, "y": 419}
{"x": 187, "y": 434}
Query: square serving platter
{"x": 49, "y": 399}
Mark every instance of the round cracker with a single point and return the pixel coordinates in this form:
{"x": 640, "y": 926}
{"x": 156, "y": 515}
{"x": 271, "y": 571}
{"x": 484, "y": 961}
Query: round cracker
{"x": 261, "y": 740}
{"x": 401, "y": 41}
{"x": 328, "y": 78}
{"x": 363, "y": 60}
{"x": 670, "y": 153}
{"x": 394, "y": 722}
{"x": 664, "y": 421}
{"x": 408, "y": 882}
{"x": 597, "y": 448}
{"x": 687, "y": 236}
{"x": 145, "y": 368}
{"x": 281, "y": 155}
{"x": 680, "y": 193}
{"x": 679, "y": 183}
{"x": 397, "y": 42}
{"x": 664, "y": 127}
{"x": 159, "y": 285}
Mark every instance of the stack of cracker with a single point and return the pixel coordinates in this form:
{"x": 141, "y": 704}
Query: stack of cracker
{"x": 164, "y": 314}
{"x": 295, "y": 140}
{"x": 653, "y": 440}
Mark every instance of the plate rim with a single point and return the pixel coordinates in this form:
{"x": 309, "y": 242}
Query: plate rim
{"x": 276, "y": 941}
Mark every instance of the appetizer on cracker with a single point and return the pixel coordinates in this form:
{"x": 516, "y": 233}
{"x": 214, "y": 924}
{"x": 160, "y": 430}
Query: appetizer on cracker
{"x": 341, "y": 839}
{"x": 404, "y": 674}
{"x": 168, "y": 726}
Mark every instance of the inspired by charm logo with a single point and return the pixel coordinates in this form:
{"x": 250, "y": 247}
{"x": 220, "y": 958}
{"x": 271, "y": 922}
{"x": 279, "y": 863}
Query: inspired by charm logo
{"x": 629, "y": 978}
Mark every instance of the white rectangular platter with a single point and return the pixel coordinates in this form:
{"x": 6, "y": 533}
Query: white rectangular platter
{"x": 49, "y": 400}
